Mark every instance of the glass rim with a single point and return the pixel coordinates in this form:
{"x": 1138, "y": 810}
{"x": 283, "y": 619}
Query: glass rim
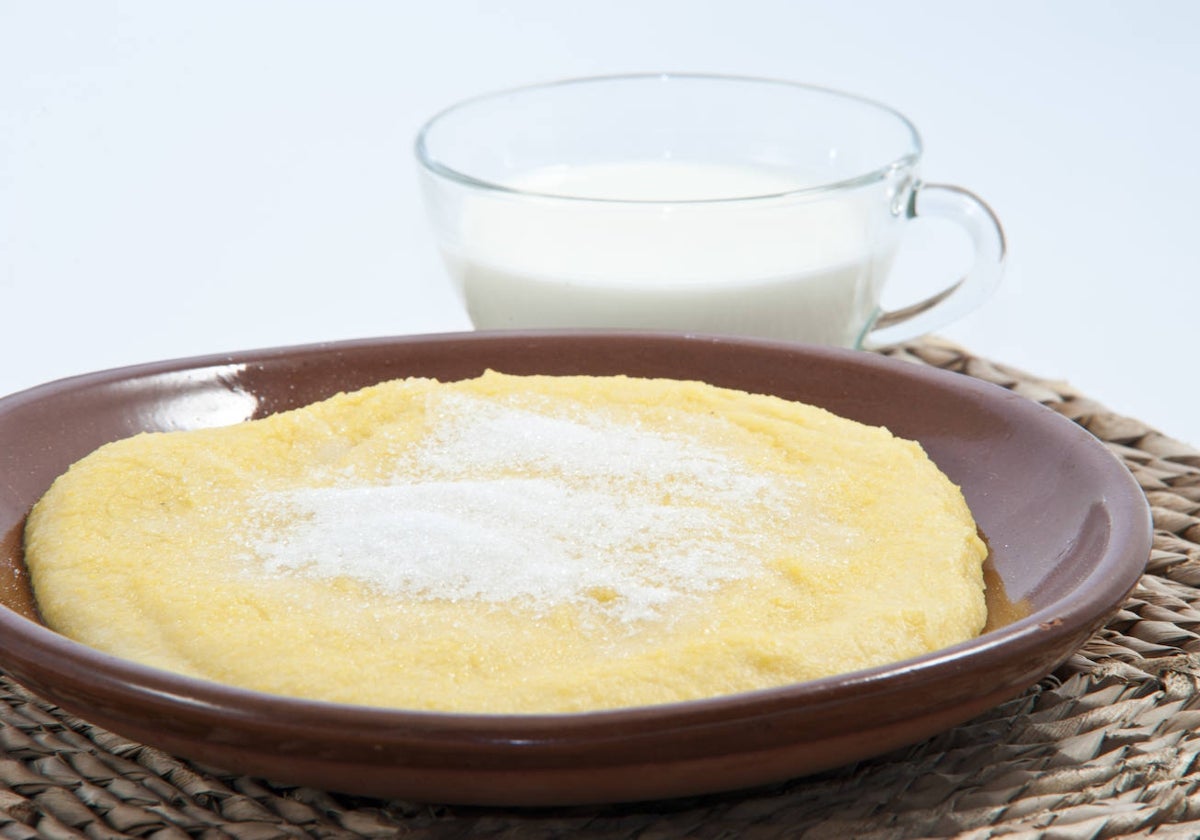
{"x": 879, "y": 173}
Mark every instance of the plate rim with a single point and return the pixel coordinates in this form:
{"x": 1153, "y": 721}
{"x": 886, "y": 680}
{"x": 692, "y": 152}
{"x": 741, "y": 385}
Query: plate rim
{"x": 530, "y": 733}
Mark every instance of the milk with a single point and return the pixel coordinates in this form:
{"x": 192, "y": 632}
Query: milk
{"x": 672, "y": 246}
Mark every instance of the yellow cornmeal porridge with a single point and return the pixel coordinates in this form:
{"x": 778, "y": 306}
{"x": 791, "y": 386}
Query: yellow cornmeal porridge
{"x": 512, "y": 544}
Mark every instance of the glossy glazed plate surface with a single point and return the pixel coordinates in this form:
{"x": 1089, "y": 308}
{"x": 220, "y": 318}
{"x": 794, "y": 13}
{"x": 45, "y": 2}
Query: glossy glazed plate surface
{"x": 1068, "y": 528}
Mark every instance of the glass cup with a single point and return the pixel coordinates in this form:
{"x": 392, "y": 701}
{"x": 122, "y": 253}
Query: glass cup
{"x": 690, "y": 203}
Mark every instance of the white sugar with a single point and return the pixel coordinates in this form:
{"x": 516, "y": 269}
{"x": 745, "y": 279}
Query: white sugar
{"x": 502, "y": 503}
{"x": 474, "y": 437}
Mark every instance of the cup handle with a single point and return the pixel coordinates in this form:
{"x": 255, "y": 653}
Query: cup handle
{"x": 970, "y": 290}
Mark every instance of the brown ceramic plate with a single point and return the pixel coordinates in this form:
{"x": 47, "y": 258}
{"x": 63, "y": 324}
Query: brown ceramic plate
{"x": 1068, "y": 528}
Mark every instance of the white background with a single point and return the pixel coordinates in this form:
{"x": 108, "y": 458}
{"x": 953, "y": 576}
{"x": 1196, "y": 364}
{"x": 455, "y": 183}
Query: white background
{"x": 188, "y": 178}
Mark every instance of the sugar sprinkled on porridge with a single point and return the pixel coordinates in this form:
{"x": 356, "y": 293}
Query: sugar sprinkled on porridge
{"x": 512, "y": 544}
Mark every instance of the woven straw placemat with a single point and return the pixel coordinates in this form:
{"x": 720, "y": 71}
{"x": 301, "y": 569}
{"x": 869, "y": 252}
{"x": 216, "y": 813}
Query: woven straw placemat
{"x": 1104, "y": 747}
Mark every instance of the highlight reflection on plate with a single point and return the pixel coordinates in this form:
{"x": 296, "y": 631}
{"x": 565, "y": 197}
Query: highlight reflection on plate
{"x": 1068, "y": 528}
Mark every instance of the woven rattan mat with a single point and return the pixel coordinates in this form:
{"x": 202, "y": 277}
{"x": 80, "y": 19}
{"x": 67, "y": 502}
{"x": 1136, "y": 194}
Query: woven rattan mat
{"x": 1103, "y": 748}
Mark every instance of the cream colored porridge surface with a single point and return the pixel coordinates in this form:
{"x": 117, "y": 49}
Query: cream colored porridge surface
{"x": 512, "y": 544}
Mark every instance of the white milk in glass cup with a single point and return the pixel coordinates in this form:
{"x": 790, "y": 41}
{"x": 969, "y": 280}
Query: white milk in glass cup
{"x": 689, "y": 203}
